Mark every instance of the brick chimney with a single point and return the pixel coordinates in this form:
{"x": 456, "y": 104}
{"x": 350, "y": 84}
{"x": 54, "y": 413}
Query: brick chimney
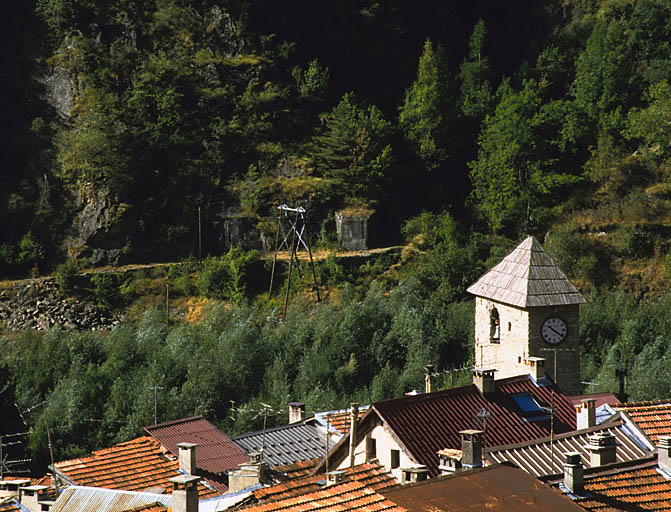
{"x": 664, "y": 454}
{"x": 573, "y": 474}
{"x": 296, "y": 412}
{"x": 413, "y": 474}
{"x": 471, "y": 448}
{"x": 602, "y": 448}
{"x": 185, "y": 493}
{"x": 483, "y": 378}
{"x": 29, "y": 497}
{"x": 586, "y": 414}
{"x": 354, "y": 417}
{"x": 187, "y": 458}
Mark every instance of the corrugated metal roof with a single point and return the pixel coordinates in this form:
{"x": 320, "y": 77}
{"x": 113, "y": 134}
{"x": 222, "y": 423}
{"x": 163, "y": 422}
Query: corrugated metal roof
{"x": 496, "y": 488}
{"x": 527, "y": 278}
{"x": 336, "y": 498}
{"x": 215, "y": 453}
{"x": 286, "y": 444}
{"x": 372, "y": 475}
{"x": 534, "y": 456}
{"x": 135, "y": 465}
{"x": 428, "y": 422}
{"x": 653, "y": 418}
{"x": 95, "y": 499}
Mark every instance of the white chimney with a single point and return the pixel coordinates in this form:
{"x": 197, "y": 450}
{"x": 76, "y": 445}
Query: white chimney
{"x": 247, "y": 474}
{"x": 185, "y": 493}
{"x": 416, "y": 473}
{"x": 483, "y": 378}
{"x": 573, "y": 474}
{"x": 428, "y": 370}
{"x": 187, "y": 458}
{"x": 354, "y": 417}
{"x": 536, "y": 367}
{"x": 296, "y": 412}
{"x": 449, "y": 461}
{"x": 664, "y": 454}
{"x": 586, "y": 414}
{"x": 335, "y": 477}
{"x": 10, "y": 488}
{"x": 471, "y": 448}
{"x": 602, "y": 448}
{"x": 29, "y": 497}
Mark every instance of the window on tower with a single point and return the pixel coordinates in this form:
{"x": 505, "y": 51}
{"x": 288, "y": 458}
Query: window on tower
{"x": 494, "y": 326}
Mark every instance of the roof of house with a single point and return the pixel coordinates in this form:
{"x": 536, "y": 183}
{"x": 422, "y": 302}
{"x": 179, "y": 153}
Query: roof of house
{"x": 151, "y": 507}
{"x": 298, "y": 469}
{"x": 135, "y": 465}
{"x": 10, "y": 505}
{"x": 372, "y": 475}
{"x": 343, "y": 497}
{"x": 286, "y": 444}
{"x": 495, "y": 488}
{"x": 634, "y": 485}
{"x": 534, "y": 456}
{"x": 79, "y": 498}
{"x": 425, "y": 423}
{"x": 599, "y": 399}
{"x": 526, "y": 278}
{"x": 215, "y": 453}
{"x": 653, "y": 418}
{"x": 338, "y": 420}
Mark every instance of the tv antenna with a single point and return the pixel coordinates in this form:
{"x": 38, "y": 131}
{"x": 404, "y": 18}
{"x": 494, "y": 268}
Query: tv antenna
{"x": 484, "y": 415}
{"x": 6, "y": 465}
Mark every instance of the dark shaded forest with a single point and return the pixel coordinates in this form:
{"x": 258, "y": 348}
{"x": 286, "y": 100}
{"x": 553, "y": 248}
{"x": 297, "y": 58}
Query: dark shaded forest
{"x": 462, "y": 126}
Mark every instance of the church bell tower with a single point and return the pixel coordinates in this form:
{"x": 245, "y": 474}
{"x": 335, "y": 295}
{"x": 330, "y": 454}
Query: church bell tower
{"x": 527, "y": 318}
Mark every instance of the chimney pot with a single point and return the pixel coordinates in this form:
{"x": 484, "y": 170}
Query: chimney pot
{"x": 602, "y": 448}
{"x": 483, "y": 378}
{"x": 664, "y": 453}
{"x": 185, "y": 493}
{"x": 187, "y": 458}
{"x": 29, "y": 497}
{"x": 471, "y": 448}
{"x": 335, "y": 477}
{"x": 586, "y": 414}
{"x": 449, "y": 461}
{"x": 573, "y": 473}
{"x": 428, "y": 370}
{"x": 296, "y": 412}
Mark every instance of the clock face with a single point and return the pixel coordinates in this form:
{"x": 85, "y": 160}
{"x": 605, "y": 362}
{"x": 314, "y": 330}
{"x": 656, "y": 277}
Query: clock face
{"x": 554, "y": 330}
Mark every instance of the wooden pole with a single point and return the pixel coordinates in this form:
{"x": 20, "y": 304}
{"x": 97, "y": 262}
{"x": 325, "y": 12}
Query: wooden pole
{"x": 200, "y": 238}
{"x": 277, "y": 241}
{"x": 167, "y": 304}
{"x": 293, "y": 242}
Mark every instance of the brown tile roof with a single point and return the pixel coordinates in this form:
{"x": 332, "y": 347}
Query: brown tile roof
{"x": 298, "y": 469}
{"x": 653, "y": 418}
{"x": 215, "y": 453}
{"x": 339, "y": 420}
{"x": 600, "y": 399}
{"x": 151, "y": 507}
{"x": 534, "y": 456}
{"x": 636, "y": 485}
{"x": 495, "y": 489}
{"x": 132, "y": 466}
{"x": 526, "y": 278}
{"x": 425, "y": 423}
{"x": 343, "y": 497}
{"x": 371, "y": 475}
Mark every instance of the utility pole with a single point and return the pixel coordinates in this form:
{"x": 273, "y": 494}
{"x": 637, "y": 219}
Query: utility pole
{"x": 156, "y": 388}
{"x": 167, "y": 304}
{"x": 200, "y": 238}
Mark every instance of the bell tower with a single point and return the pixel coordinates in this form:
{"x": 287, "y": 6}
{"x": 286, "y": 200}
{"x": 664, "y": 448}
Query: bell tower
{"x": 527, "y": 318}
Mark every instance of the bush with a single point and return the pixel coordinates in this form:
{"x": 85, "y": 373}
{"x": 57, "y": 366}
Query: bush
{"x": 106, "y": 289}
{"x": 227, "y": 278}
{"x": 66, "y": 277}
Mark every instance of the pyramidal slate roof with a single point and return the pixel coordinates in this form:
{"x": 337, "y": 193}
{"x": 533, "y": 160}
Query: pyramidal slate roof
{"x": 527, "y": 278}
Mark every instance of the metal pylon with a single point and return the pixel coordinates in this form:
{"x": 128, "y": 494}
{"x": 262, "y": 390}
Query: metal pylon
{"x": 293, "y": 227}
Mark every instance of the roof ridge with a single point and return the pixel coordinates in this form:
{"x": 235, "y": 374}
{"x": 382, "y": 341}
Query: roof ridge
{"x": 175, "y": 422}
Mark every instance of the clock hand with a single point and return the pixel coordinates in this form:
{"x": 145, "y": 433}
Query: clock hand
{"x": 554, "y": 330}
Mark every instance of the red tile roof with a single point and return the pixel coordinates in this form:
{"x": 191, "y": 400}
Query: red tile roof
{"x": 428, "y": 422}
{"x": 215, "y": 453}
{"x": 298, "y": 469}
{"x": 495, "y": 489}
{"x": 131, "y": 466}
{"x": 371, "y": 475}
{"x": 152, "y": 507}
{"x": 341, "y": 420}
{"x": 636, "y": 485}
{"x": 653, "y": 418}
{"x": 9, "y": 505}
{"x": 336, "y": 498}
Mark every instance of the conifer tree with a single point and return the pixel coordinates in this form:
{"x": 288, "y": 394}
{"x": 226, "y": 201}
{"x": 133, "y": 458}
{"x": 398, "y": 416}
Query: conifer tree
{"x": 476, "y": 92}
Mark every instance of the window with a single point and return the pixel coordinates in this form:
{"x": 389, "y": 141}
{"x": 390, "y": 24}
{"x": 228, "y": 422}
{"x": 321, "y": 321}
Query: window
{"x": 531, "y": 409}
{"x": 395, "y": 459}
{"x": 494, "y": 326}
{"x": 371, "y": 448}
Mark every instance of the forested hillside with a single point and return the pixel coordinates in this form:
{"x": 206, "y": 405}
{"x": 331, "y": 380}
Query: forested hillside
{"x": 463, "y": 126}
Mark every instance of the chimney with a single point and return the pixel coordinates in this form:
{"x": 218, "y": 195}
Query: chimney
{"x": 354, "y": 417}
{"x": 536, "y": 367}
{"x": 471, "y": 448}
{"x": 664, "y": 454}
{"x": 247, "y": 474}
{"x": 185, "y": 493}
{"x": 586, "y": 414}
{"x": 10, "y": 488}
{"x": 449, "y": 461}
{"x": 602, "y": 448}
{"x": 483, "y": 378}
{"x": 573, "y": 480}
{"x": 296, "y": 412}
{"x": 335, "y": 477}
{"x": 428, "y": 370}
{"x": 187, "y": 458}
{"x": 413, "y": 474}
{"x": 29, "y": 497}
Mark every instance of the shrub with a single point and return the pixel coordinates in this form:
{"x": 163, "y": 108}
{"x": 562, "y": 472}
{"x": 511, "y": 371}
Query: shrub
{"x": 106, "y": 288}
{"x": 66, "y": 277}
